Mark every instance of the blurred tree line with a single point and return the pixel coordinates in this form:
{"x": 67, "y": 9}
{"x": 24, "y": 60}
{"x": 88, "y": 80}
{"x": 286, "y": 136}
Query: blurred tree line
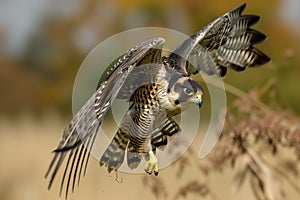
{"x": 41, "y": 76}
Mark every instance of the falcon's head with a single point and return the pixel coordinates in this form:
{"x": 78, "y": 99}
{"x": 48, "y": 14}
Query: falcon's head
{"x": 184, "y": 91}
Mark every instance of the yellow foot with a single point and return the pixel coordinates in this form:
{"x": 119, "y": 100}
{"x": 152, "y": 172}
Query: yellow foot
{"x": 152, "y": 164}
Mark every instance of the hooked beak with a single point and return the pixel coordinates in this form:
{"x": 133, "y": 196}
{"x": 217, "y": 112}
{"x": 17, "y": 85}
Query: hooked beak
{"x": 198, "y": 100}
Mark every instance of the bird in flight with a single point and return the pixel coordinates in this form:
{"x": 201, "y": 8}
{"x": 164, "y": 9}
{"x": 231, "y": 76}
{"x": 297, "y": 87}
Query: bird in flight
{"x": 157, "y": 88}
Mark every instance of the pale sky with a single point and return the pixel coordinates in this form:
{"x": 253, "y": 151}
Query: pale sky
{"x": 19, "y": 19}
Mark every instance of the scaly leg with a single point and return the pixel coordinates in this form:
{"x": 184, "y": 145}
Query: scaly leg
{"x": 152, "y": 164}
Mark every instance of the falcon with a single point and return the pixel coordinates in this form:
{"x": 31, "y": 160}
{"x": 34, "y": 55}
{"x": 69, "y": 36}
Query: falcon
{"x": 157, "y": 88}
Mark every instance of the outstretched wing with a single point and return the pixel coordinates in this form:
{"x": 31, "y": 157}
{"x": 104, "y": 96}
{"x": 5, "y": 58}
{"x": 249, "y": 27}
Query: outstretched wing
{"x": 227, "y": 42}
{"x": 79, "y": 136}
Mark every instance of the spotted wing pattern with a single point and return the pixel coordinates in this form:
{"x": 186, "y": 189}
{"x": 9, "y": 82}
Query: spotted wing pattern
{"x": 79, "y": 136}
{"x": 227, "y": 42}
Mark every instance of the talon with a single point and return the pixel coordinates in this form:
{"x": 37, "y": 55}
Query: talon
{"x": 152, "y": 164}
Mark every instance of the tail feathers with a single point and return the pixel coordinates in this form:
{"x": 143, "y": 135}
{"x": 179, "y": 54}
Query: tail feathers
{"x": 112, "y": 160}
{"x": 133, "y": 157}
{"x": 113, "y": 156}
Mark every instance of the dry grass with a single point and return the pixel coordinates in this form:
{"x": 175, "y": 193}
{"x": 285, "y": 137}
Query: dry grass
{"x": 257, "y": 157}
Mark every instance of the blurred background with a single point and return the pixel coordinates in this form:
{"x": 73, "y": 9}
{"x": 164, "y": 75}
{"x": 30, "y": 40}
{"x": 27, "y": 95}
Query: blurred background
{"x": 43, "y": 44}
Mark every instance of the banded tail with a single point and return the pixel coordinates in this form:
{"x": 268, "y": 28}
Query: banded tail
{"x": 113, "y": 156}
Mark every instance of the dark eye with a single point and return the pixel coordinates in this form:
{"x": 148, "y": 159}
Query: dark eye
{"x": 188, "y": 91}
